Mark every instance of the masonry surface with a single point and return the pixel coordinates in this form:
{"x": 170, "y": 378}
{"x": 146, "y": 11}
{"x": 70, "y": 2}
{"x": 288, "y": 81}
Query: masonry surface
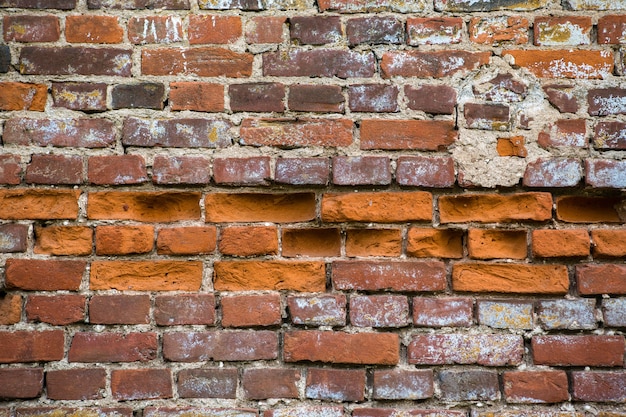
{"x": 288, "y": 208}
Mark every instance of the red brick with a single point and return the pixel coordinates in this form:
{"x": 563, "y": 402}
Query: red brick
{"x": 374, "y": 30}
{"x": 87, "y": 97}
{"x": 113, "y": 347}
{"x": 497, "y": 243}
{"x": 302, "y": 171}
{"x": 254, "y": 170}
{"x": 494, "y": 30}
{"x": 63, "y": 240}
{"x": 10, "y": 309}
{"x": 316, "y": 98}
{"x": 422, "y": 171}
{"x": 75, "y": 60}
{"x": 386, "y": 207}
{"x": 181, "y": 170}
{"x": 561, "y": 172}
{"x": 208, "y": 383}
{"x": 435, "y": 64}
{"x": 198, "y": 96}
{"x": 119, "y": 309}
{"x": 486, "y": 349}
{"x": 141, "y": 384}
{"x": 31, "y": 346}
{"x": 58, "y": 310}
{"x": 373, "y": 242}
{"x": 159, "y": 206}
{"x": 443, "y": 312}
{"x": 564, "y": 63}
{"x": 609, "y": 242}
{"x": 265, "y": 29}
{"x": 338, "y": 347}
{"x": 251, "y": 310}
{"x": 403, "y": 385}
{"x": 605, "y": 173}
{"x": 492, "y": 208}
{"x": 393, "y": 412}
{"x": 257, "y": 97}
{"x": 612, "y": 29}
{"x": 22, "y": 96}
{"x": 256, "y": 207}
{"x": 215, "y": 29}
{"x": 599, "y": 387}
{"x": 487, "y": 116}
{"x": 264, "y": 383}
{"x": 155, "y": 29}
{"x": 319, "y": 63}
{"x": 379, "y": 311}
{"x": 55, "y": 169}
{"x": 361, "y": 170}
{"x": 78, "y": 133}
{"x": 315, "y": 30}
{"x": 21, "y": 383}
{"x": 68, "y": 411}
{"x": 139, "y": 4}
{"x": 601, "y": 279}
{"x": 309, "y": 276}
{"x": 379, "y": 98}
{"x": 138, "y": 96}
{"x": 510, "y": 278}
{"x": 581, "y": 209}
{"x": 124, "y": 240}
{"x": 610, "y": 135}
{"x": 187, "y": 240}
{"x": 469, "y": 385}
{"x": 585, "y": 350}
{"x": 117, "y": 170}
{"x": 335, "y": 384}
{"x": 180, "y": 309}
{"x": 392, "y": 275}
{"x": 535, "y": 387}
{"x": 242, "y": 345}
{"x": 206, "y": 61}
{"x": 565, "y": 132}
{"x": 317, "y": 310}
{"x": 488, "y": 6}
{"x": 311, "y": 242}
{"x": 249, "y": 240}
{"x": 296, "y": 133}
{"x": 560, "y": 243}
{"x": 93, "y": 29}
{"x": 562, "y": 97}
{"x": 5, "y": 58}
{"x": 155, "y": 275}
{"x": 177, "y": 133}
{"x": 427, "y": 135}
{"x": 44, "y": 275}
{"x": 10, "y": 169}
{"x": 13, "y": 238}
{"x": 46, "y": 4}
{"x": 26, "y": 28}
{"x": 429, "y": 98}
{"x": 562, "y": 30}
{"x": 308, "y": 411}
{"x": 76, "y": 384}
{"x": 434, "y": 30}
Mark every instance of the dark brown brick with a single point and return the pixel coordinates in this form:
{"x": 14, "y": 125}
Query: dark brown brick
{"x": 605, "y": 173}
{"x": 13, "y": 238}
{"x": 139, "y": 4}
{"x": 335, "y": 384}
{"x": 315, "y": 30}
{"x": 251, "y": 310}
{"x": 487, "y": 116}
{"x": 561, "y": 172}
{"x": 296, "y": 132}
{"x": 55, "y": 169}
{"x": 316, "y": 98}
{"x": 26, "y": 28}
{"x": 599, "y": 387}
{"x": 138, "y": 96}
{"x": 611, "y": 29}
{"x": 434, "y": 30}
{"x": 119, "y": 309}
{"x": 378, "y": 98}
{"x": 374, "y": 30}
{"x": 422, "y": 171}
{"x": 436, "y": 64}
{"x": 562, "y": 97}
{"x": 74, "y": 60}
{"x": 117, "y": 170}
{"x": 254, "y": 170}
{"x": 535, "y": 387}
{"x": 319, "y": 63}
{"x": 42, "y": 4}
{"x": 469, "y": 385}
{"x": 177, "y": 133}
{"x": 606, "y": 101}
{"x": 59, "y": 310}
{"x": 10, "y": 169}
{"x": 361, "y": 170}
{"x": 443, "y": 312}
{"x": 5, "y": 58}
{"x": 264, "y": 383}
{"x": 76, "y": 384}
{"x": 87, "y": 97}
{"x": 433, "y": 99}
{"x": 259, "y": 97}
{"x": 302, "y": 171}
{"x": 587, "y": 350}
{"x": 203, "y": 61}
{"x": 601, "y": 279}
{"x": 379, "y": 311}
{"x": 83, "y": 133}
{"x": 172, "y": 310}
{"x": 21, "y": 383}
{"x": 208, "y": 383}
{"x": 162, "y": 29}
{"x": 428, "y": 135}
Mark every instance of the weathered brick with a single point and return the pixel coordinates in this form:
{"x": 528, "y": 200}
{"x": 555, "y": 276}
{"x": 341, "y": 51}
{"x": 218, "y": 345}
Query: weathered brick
{"x": 582, "y": 209}
{"x": 315, "y": 30}
{"x": 258, "y": 97}
{"x": 5, "y": 58}
{"x": 68, "y": 411}
{"x": 249, "y": 240}
{"x": 435, "y": 64}
{"x": 296, "y": 133}
{"x": 203, "y": 61}
{"x": 402, "y": 385}
{"x": 304, "y": 411}
{"x": 22, "y": 96}
{"x": 434, "y": 243}
{"x": 379, "y": 98}
{"x": 216, "y": 29}
{"x": 606, "y": 101}
{"x": 614, "y": 312}
{"x": 393, "y": 275}
{"x": 31, "y": 346}
{"x": 562, "y": 30}
{"x": 207, "y": 383}
{"x": 506, "y": 314}
{"x": 251, "y": 310}
{"x": 564, "y": 132}
{"x": 319, "y": 63}
{"x": 254, "y": 170}
{"x": 155, "y": 29}
{"x": 59, "y": 310}
{"x": 113, "y": 347}
{"x": 431, "y": 98}
{"x": 124, "y": 240}
{"x": 82, "y": 96}
{"x": 307, "y": 276}
{"x": 576, "y": 314}
{"x": 373, "y": 242}
{"x": 609, "y": 242}
{"x": 10, "y": 309}
{"x": 487, "y": 116}
{"x": 28, "y": 28}
{"x": 535, "y": 387}
{"x": 198, "y": 96}
{"x": 75, "y": 384}
{"x": 83, "y": 133}
{"x": 605, "y": 173}
{"x": 599, "y": 386}
{"x": 434, "y": 30}
{"x": 189, "y": 240}
{"x": 564, "y": 63}
{"x": 316, "y": 98}
{"x": 612, "y": 29}
{"x": 357, "y": 6}
{"x": 181, "y": 170}
{"x": 443, "y": 312}
{"x": 421, "y": 171}
{"x": 241, "y": 345}
{"x": 138, "y": 4}
{"x": 317, "y": 310}
{"x": 361, "y": 170}
{"x": 469, "y": 385}
{"x": 21, "y": 383}
{"x": 302, "y": 171}
{"x": 138, "y": 96}
{"x": 93, "y": 29}
{"x": 177, "y": 133}
{"x": 54, "y": 169}
{"x": 387, "y": 207}
{"x": 562, "y": 97}
{"x": 610, "y": 135}
{"x": 264, "y": 383}
{"x": 497, "y": 243}
{"x": 198, "y": 411}
{"x": 587, "y": 350}
{"x": 510, "y": 278}
{"x": 161, "y": 275}
{"x": 10, "y": 169}
{"x": 512, "y": 146}
{"x": 379, "y": 311}
{"x": 489, "y": 208}
{"x": 257, "y": 207}
{"x": 335, "y": 384}
{"x": 180, "y": 309}
{"x": 63, "y": 240}
{"x": 44, "y": 274}
{"x": 13, "y": 238}
{"x": 265, "y": 29}
{"x": 141, "y": 384}
{"x": 394, "y": 412}
{"x": 374, "y": 30}
{"x": 594, "y": 5}
{"x": 561, "y": 172}
{"x": 494, "y": 30}
{"x": 150, "y": 206}
{"x": 75, "y": 60}
{"x": 487, "y": 6}
{"x": 428, "y": 135}
{"x": 601, "y": 279}
{"x": 560, "y": 243}
{"x": 339, "y": 347}
{"x": 119, "y": 309}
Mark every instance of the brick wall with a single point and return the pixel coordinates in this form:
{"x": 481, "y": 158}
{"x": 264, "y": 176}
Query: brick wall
{"x": 348, "y": 208}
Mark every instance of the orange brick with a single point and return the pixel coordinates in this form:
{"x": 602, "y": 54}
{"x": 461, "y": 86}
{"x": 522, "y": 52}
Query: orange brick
{"x": 146, "y": 275}
{"x": 23, "y": 96}
{"x": 513, "y": 146}
{"x": 493, "y": 30}
{"x": 510, "y": 278}
{"x": 428, "y": 135}
{"x": 564, "y": 63}
{"x": 556, "y": 243}
{"x": 63, "y": 240}
{"x": 269, "y": 275}
{"x": 10, "y": 309}
{"x": 384, "y": 207}
{"x": 251, "y": 310}
{"x": 186, "y": 240}
{"x": 434, "y": 243}
{"x": 575, "y": 209}
{"x": 609, "y": 242}
{"x": 93, "y": 29}
{"x": 488, "y": 208}
{"x": 492, "y": 244}
{"x": 257, "y": 207}
{"x": 265, "y": 29}
{"x": 146, "y": 206}
{"x": 214, "y": 29}
{"x": 249, "y": 240}
{"x": 206, "y": 61}
{"x": 190, "y": 95}
{"x": 374, "y": 242}
{"x": 311, "y": 242}
{"x": 35, "y": 204}
{"x": 124, "y": 240}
